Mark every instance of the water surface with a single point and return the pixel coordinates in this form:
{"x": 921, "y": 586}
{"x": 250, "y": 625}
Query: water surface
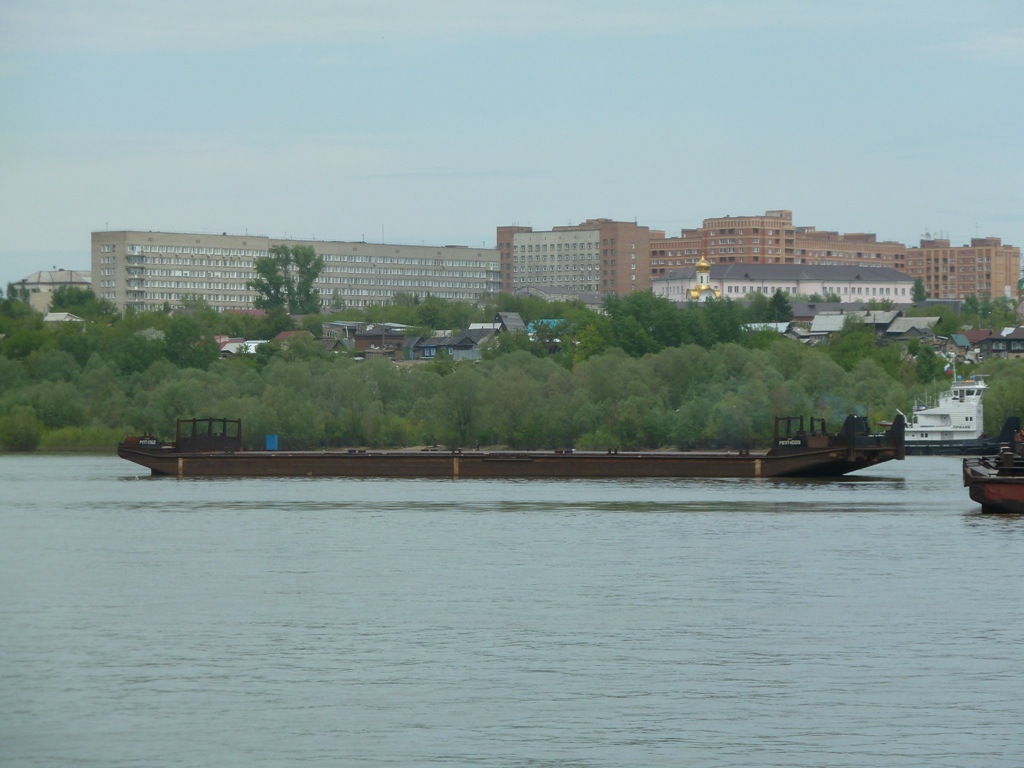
{"x": 872, "y": 621}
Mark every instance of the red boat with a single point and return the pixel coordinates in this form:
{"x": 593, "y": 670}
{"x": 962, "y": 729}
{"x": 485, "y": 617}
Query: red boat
{"x": 213, "y": 448}
{"x": 997, "y": 482}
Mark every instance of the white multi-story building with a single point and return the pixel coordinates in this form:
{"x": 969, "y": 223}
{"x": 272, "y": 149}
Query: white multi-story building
{"x": 145, "y": 270}
{"x": 737, "y": 280}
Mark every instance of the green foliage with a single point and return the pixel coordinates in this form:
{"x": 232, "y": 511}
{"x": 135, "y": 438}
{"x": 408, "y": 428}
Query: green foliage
{"x": 91, "y": 438}
{"x": 918, "y": 292}
{"x": 929, "y": 365}
{"x": 988, "y": 312}
{"x": 187, "y": 346}
{"x": 781, "y": 308}
{"x": 284, "y": 279}
{"x": 1005, "y": 396}
{"x": 646, "y": 375}
{"x": 83, "y": 303}
{"x": 26, "y": 339}
{"x": 758, "y": 307}
{"x": 855, "y": 342}
{"x": 642, "y": 322}
{"x": 761, "y": 309}
{"x": 20, "y": 430}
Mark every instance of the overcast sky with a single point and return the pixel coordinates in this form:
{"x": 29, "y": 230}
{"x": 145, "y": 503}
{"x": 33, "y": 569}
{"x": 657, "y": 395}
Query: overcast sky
{"x": 434, "y": 121}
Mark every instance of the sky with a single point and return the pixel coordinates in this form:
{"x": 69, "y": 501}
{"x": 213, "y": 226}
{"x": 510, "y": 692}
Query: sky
{"x": 435, "y": 121}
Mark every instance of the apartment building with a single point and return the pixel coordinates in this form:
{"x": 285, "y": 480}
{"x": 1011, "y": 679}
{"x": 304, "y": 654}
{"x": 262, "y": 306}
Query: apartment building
{"x": 145, "y": 270}
{"x": 770, "y": 239}
{"x": 599, "y": 255}
{"x": 986, "y": 267}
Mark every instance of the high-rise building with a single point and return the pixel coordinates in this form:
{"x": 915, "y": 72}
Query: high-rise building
{"x": 770, "y": 239}
{"x": 986, "y": 267}
{"x": 599, "y": 255}
{"x": 145, "y": 270}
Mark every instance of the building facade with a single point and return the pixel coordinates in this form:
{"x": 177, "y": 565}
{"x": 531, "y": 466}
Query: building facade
{"x": 145, "y": 270}
{"x": 986, "y": 267}
{"x": 735, "y": 281}
{"x": 770, "y": 239}
{"x": 552, "y": 258}
{"x": 39, "y": 286}
{"x": 599, "y": 255}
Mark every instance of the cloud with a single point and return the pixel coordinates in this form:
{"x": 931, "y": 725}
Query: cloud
{"x": 130, "y": 27}
{"x": 1004, "y": 47}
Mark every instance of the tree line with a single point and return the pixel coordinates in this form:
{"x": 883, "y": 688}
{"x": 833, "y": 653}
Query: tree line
{"x": 643, "y": 374}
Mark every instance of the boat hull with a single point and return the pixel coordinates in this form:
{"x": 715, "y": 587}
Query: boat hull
{"x": 796, "y": 453}
{"x": 985, "y": 446}
{"x": 998, "y": 485}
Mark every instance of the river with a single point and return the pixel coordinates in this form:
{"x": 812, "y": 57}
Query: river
{"x": 876, "y": 620}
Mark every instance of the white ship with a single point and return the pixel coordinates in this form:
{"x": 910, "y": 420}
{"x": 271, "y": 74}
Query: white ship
{"x": 955, "y": 425}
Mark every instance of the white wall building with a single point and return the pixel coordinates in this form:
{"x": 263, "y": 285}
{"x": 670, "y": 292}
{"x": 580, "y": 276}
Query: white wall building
{"x": 39, "y": 286}
{"x": 145, "y": 270}
{"x": 737, "y": 280}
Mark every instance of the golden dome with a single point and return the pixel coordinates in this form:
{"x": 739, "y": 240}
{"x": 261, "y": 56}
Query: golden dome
{"x": 703, "y": 266}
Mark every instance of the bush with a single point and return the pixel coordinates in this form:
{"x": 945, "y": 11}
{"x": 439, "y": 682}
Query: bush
{"x": 20, "y": 429}
{"x": 94, "y": 438}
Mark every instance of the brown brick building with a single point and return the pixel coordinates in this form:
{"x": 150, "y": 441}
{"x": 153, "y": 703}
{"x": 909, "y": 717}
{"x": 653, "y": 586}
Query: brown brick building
{"x": 771, "y": 239}
{"x": 599, "y": 255}
{"x": 986, "y": 267}
{"x": 605, "y": 256}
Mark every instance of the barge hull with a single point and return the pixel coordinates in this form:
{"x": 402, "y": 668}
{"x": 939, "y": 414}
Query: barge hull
{"x": 489, "y": 465}
{"x": 213, "y": 448}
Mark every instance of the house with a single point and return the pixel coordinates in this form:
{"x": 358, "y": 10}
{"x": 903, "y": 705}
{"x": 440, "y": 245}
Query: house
{"x": 510, "y": 322}
{"x": 287, "y": 337}
{"x": 956, "y": 345}
{"x": 383, "y": 340}
{"x": 758, "y": 327}
{"x": 1015, "y": 341}
{"x": 427, "y": 349}
{"x": 341, "y": 329}
{"x": 62, "y": 317}
{"x": 906, "y": 328}
{"x": 1008, "y": 343}
{"x": 229, "y": 347}
{"x": 979, "y": 343}
{"x": 467, "y": 345}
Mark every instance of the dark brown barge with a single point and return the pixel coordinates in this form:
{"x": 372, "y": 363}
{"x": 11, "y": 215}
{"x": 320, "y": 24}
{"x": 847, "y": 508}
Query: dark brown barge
{"x": 997, "y": 482}
{"x": 213, "y": 448}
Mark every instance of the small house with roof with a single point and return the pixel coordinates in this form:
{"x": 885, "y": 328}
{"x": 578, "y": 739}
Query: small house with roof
{"x": 61, "y": 317}
{"x": 509, "y": 322}
{"x": 467, "y": 345}
{"x": 1015, "y": 343}
{"x": 906, "y": 328}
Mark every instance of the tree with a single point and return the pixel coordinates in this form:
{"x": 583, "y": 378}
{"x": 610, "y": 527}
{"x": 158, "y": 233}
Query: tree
{"x": 82, "y": 302}
{"x": 186, "y": 346}
{"x": 780, "y": 307}
{"x": 918, "y": 292}
{"x": 643, "y": 322}
{"x": 285, "y": 278}
{"x": 271, "y": 279}
{"x": 20, "y": 430}
{"x": 928, "y": 366}
{"x": 304, "y": 298}
{"x": 757, "y": 307}
{"x": 853, "y": 343}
